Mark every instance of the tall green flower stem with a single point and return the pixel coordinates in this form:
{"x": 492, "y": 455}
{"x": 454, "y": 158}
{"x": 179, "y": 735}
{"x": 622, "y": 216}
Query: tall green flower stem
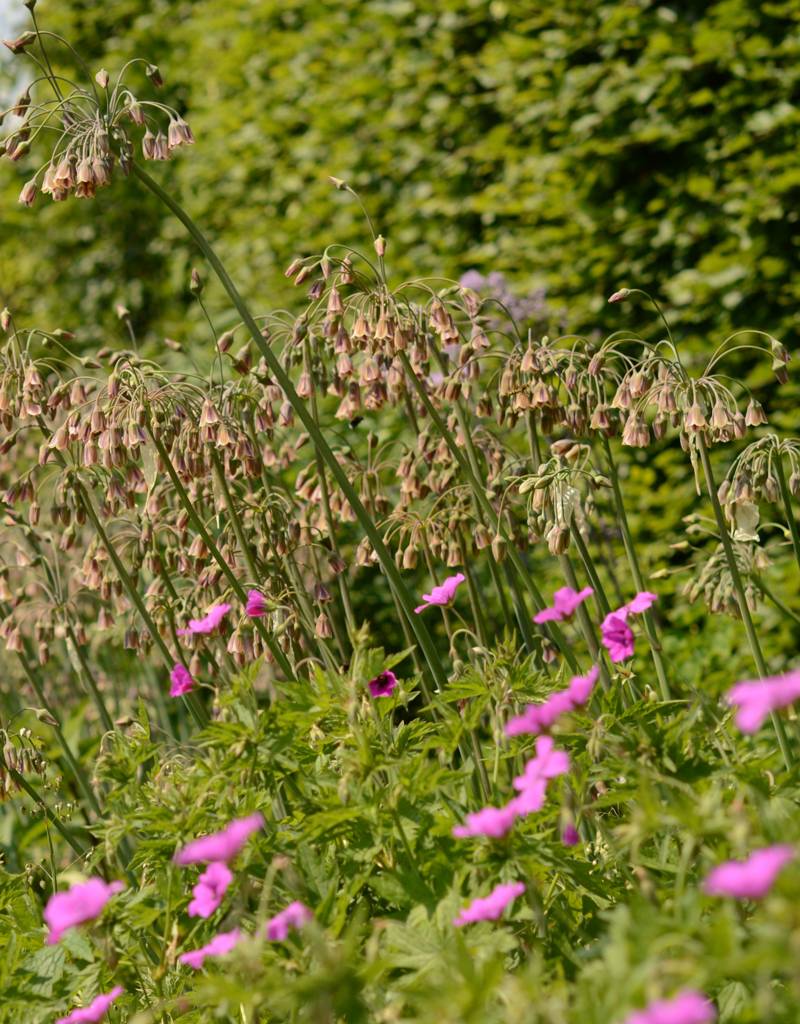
{"x": 89, "y": 679}
{"x": 633, "y": 561}
{"x": 787, "y": 504}
{"x": 23, "y": 783}
{"x": 197, "y": 521}
{"x": 741, "y": 597}
{"x": 69, "y": 757}
{"x": 474, "y": 596}
{"x": 486, "y": 507}
{"x": 320, "y": 444}
{"x": 591, "y": 569}
{"x": 585, "y": 622}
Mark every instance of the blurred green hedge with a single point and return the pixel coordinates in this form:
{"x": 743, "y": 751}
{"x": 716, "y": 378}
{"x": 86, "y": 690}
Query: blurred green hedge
{"x": 580, "y": 146}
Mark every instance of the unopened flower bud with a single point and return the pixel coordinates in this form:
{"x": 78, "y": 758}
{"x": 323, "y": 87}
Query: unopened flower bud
{"x": 623, "y": 293}
{"x": 196, "y": 282}
{"x": 380, "y": 245}
{"x": 102, "y": 78}
{"x": 19, "y": 44}
{"x": 154, "y": 75}
{"x": 28, "y": 193}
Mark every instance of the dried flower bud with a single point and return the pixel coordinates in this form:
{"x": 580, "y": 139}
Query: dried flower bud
{"x": 154, "y": 75}
{"x": 196, "y": 282}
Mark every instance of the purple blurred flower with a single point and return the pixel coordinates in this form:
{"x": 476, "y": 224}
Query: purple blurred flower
{"x": 294, "y": 916}
{"x": 256, "y": 606}
{"x": 570, "y": 836}
{"x": 565, "y": 601}
{"x": 540, "y": 717}
{"x": 221, "y": 846}
{"x": 757, "y": 697}
{"x": 443, "y": 594}
{"x": 617, "y": 637}
{"x": 210, "y": 889}
{"x": 383, "y": 685}
{"x": 489, "y": 908}
{"x": 81, "y": 903}
{"x": 95, "y": 1011}
{"x": 221, "y": 944}
{"x": 687, "y": 1007}
{"x": 208, "y": 623}
{"x": 493, "y": 822}
{"x": 181, "y": 679}
{"x": 749, "y": 879}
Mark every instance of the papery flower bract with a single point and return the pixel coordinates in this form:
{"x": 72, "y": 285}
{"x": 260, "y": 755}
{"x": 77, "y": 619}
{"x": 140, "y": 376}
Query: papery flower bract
{"x": 256, "y": 606}
{"x": 95, "y": 1011}
{"x": 221, "y": 944}
{"x": 489, "y": 908}
{"x": 181, "y": 680}
{"x": 294, "y": 916}
{"x": 221, "y": 846}
{"x": 617, "y": 637}
{"x": 749, "y": 879}
{"x": 383, "y": 685}
{"x": 443, "y": 594}
{"x": 565, "y": 601}
{"x": 76, "y": 905}
{"x": 208, "y": 623}
{"x": 689, "y": 1007}
{"x": 757, "y": 697}
{"x": 493, "y": 822}
{"x": 210, "y": 889}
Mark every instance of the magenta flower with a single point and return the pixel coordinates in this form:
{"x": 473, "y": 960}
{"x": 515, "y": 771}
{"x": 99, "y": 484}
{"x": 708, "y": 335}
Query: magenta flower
{"x": 493, "y": 822}
{"x": 565, "y": 601}
{"x": 383, "y": 685}
{"x": 547, "y": 764}
{"x": 570, "y": 836}
{"x": 208, "y": 623}
{"x": 643, "y": 600}
{"x": 256, "y": 606}
{"x": 687, "y": 1007}
{"x": 210, "y": 889}
{"x": 294, "y": 916}
{"x": 443, "y": 594}
{"x": 757, "y": 697}
{"x": 95, "y": 1011}
{"x": 221, "y": 944}
{"x": 221, "y": 846}
{"x": 531, "y": 799}
{"x": 749, "y": 879}
{"x": 617, "y": 636}
{"x": 182, "y": 681}
{"x": 77, "y": 905}
{"x": 540, "y": 717}
{"x": 489, "y": 908}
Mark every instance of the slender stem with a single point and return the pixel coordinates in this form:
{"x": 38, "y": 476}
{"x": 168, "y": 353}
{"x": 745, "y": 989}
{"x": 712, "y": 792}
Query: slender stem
{"x": 776, "y": 600}
{"x": 90, "y": 681}
{"x": 633, "y": 561}
{"x": 474, "y": 597}
{"x": 23, "y": 783}
{"x": 787, "y": 504}
{"x": 741, "y": 597}
{"x": 373, "y": 534}
{"x": 591, "y": 568}
{"x": 585, "y": 622}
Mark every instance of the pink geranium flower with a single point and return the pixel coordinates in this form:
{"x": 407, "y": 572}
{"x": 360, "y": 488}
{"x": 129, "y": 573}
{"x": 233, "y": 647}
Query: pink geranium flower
{"x": 540, "y": 717}
{"x": 687, "y": 1007}
{"x": 570, "y": 836}
{"x": 547, "y": 764}
{"x": 493, "y": 822}
{"x": 617, "y": 637}
{"x": 489, "y": 908}
{"x": 208, "y": 623}
{"x": 221, "y": 944}
{"x": 77, "y": 905}
{"x": 294, "y": 916}
{"x": 256, "y": 606}
{"x": 182, "y": 681}
{"x": 757, "y": 697}
{"x": 95, "y": 1011}
{"x": 443, "y": 594}
{"x": 221, "y": 846}
{"x": 565, "y": 601}
{"x": 749, "y": 879}
{"x": 643, "y": 600}
{"x": 210, "y": 889}
{"x": 383, "y": 685}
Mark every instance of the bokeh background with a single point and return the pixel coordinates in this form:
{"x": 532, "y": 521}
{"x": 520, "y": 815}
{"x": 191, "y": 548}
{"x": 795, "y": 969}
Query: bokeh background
{"x": 573, "y": 147}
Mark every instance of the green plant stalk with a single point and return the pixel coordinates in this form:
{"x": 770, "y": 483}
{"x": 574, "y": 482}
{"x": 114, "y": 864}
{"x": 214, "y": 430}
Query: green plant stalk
{"x": 308, "y": 611}
{"x": 216, "y": 554}
{"x": 90, "y": 681}
{"x": 538, "y": 600}
{"x": 334, "y": 618}
{"x": 72, "y": 761}
{"x": 787, "y": 505}
{"x": 591, "y": 569}
{"x": 474, "y": 598}
{"x": 520, "y": 611}
{"x": 741, "y": 598}
{"x": 23, "y": 783}
{"x": 373, "y": 534}
{"x": 326, "y": 509}
{"x": 633, "y": 561}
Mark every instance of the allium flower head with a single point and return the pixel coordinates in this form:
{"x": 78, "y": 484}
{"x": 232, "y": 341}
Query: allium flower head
{"x": 489, "y": 908}
{"x": 210, "y": 889}
{"x": 181, "y": 679}
{"x": 443, "y": 594}
{"x": 81, "y": 903}
{"x": 294, "y": 916}
{"x": 221, "y": 846}
{"x": 687, "y": 1007}
{"x": 383, "y": 685}
{"x": 95, "y": 1011}
{"x": 565, "y": 601}
{"x": 757, "y": 697}
{"x": 256, "y": 606}
{"x": 750, "y": 879}
{"x": 208, "y": 623}
{"x": 221, "y": 944}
